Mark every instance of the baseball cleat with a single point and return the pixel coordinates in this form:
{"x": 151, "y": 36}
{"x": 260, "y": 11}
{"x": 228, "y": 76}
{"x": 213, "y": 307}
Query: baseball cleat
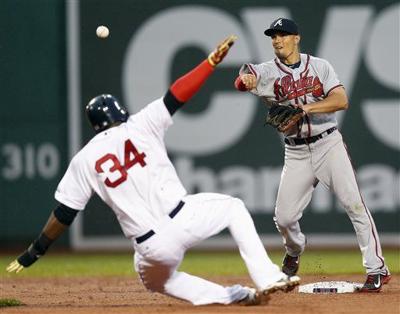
{"x": 253, "y": 297}
{"x": 285, "y": 284}
{"x": 375, "y": 282}
{"x": 290, "y": 265}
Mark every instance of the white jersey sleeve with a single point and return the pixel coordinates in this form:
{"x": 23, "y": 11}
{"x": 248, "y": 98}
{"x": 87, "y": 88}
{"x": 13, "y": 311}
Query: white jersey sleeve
{"x": 154, "y": 118}
{"x": 327, "y": 74}
{"x": 265, "y": 74}
{"x": 74, "y": 189}
{"x": 255, "y": 69}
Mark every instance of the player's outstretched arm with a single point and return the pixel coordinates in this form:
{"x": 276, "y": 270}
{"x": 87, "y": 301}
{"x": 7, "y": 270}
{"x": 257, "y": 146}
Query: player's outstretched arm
{"x": 58, "y": 221}
{"x": 185, "y": 87}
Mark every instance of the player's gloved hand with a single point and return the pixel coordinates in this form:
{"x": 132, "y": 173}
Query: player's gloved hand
{"x": 221, "y": 51}
{"x": 14, "y": 266}
{"x": 26, "y": 259}
{"x": 37, "y": 249}
{"x": 284, "y": 118}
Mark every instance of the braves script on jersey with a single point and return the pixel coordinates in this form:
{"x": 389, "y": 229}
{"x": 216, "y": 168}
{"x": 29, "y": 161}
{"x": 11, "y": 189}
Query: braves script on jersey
{"x": 135, "y": 148}
{"x": 310, "y": 82}
{"x": 314, "y": 153}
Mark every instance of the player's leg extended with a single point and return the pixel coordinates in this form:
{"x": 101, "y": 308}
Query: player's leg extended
{"x": 157, "y": 259}
{"x": 162, "y": 277}
{"x": 200, "y": 291}
{"x": 211, "y": 213}
{"x": 294, "y": 194}
{"x": 337, "y": 169}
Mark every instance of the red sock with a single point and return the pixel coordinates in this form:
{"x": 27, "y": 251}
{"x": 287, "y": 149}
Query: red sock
{"x": 186, "y": 86}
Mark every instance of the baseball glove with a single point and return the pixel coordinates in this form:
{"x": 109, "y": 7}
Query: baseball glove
{"x": 283, "y": 117}
{"x": 220, "y": 52}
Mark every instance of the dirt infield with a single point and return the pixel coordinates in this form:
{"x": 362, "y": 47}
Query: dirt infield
{"x": 127, "y": 295}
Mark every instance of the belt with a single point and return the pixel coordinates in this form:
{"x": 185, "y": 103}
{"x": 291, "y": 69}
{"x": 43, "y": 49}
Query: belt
{"x": 308, "y": 140}
{"x": 150, "y": 233}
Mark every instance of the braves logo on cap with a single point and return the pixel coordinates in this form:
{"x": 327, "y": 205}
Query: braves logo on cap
{"x": 282, "y": 25}
{"x": 278, "y": 22}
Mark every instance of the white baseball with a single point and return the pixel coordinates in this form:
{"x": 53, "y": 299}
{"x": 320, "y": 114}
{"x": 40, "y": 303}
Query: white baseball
{"x": 102, "y": 31}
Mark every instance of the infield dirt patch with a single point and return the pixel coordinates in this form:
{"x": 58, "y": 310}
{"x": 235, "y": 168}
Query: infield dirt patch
{"x": 127, "y": 295}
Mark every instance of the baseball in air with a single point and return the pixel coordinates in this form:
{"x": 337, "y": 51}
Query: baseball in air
{"x": 102, "y": 31}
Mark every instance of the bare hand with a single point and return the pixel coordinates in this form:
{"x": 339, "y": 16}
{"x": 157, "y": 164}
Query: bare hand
{"x": 249, "y": 80}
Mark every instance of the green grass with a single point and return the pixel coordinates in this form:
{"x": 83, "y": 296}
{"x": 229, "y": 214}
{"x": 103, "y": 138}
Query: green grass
{"x": 9, "y": 302}
{"x": 199, "y": 263}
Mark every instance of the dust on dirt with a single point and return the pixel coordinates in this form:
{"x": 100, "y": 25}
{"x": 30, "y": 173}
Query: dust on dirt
{"x": 119, "y": 295}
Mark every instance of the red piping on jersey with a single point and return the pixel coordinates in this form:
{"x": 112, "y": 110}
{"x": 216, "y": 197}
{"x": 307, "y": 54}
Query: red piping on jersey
{"x": 307, "y": 62}
{"x": 333, "y": 89}
{"x": 282, "y": 69}
{"x": 296, "y": 100}
{"x": 308, "y": 125}
{"x": 366, "y": 210}
{"x": 254, "y": 72}
{"x": 299, "y": 126}
{"x": 305, "y": 72}
{"x": 186, "y": 86}
{"x": 373, "y": 233}
{"x": 307, "y": 118}
{"x": 291, "y": 75}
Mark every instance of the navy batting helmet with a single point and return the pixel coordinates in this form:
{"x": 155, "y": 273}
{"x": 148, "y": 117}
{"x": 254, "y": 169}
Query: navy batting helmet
{"x": 104, "y": 110}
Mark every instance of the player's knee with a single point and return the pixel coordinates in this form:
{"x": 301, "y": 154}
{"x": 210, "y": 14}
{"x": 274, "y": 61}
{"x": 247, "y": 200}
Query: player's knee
{"x": 283, "y": 221}
{"x": 238, "y": 207}
{"x": 160, "y": 284}
{"x": 154, "y": 286}
{"x": 155, "y": 279}
{"x": 238, "y": 204}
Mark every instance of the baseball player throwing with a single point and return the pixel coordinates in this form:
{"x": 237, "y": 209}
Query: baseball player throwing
{"x": 127, "y": 165}
{"x": 304, "y": 93}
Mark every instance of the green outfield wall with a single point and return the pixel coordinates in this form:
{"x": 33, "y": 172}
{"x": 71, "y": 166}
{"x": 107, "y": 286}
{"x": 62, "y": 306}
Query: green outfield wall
{"x": 33, "y": 128}
{"x": 52, "y": 64}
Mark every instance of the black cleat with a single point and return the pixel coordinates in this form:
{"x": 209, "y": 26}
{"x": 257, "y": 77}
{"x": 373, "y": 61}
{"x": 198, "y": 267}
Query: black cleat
{"x": 290, "y": 265}
{"x": 374, "y": 282}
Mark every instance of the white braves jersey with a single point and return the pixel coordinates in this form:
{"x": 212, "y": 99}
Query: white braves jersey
{"x": 128, "y": 167}
{"x": 310, "y": 82}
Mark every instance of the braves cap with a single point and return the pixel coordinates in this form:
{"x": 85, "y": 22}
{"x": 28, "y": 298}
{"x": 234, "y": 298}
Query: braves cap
{"x": 282, "y": 25}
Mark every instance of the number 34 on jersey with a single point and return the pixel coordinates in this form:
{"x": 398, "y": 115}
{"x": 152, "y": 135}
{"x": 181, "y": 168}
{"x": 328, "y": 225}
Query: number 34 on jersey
{"x": 131, "y": 158}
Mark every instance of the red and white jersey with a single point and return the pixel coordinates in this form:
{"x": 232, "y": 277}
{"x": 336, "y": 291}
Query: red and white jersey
{"x": 310, "y": 82}
{"x": 128, "y": 167}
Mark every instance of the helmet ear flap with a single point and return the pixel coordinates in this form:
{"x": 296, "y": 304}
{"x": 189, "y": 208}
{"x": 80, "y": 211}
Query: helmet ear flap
{"x": 104, "y": 110}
